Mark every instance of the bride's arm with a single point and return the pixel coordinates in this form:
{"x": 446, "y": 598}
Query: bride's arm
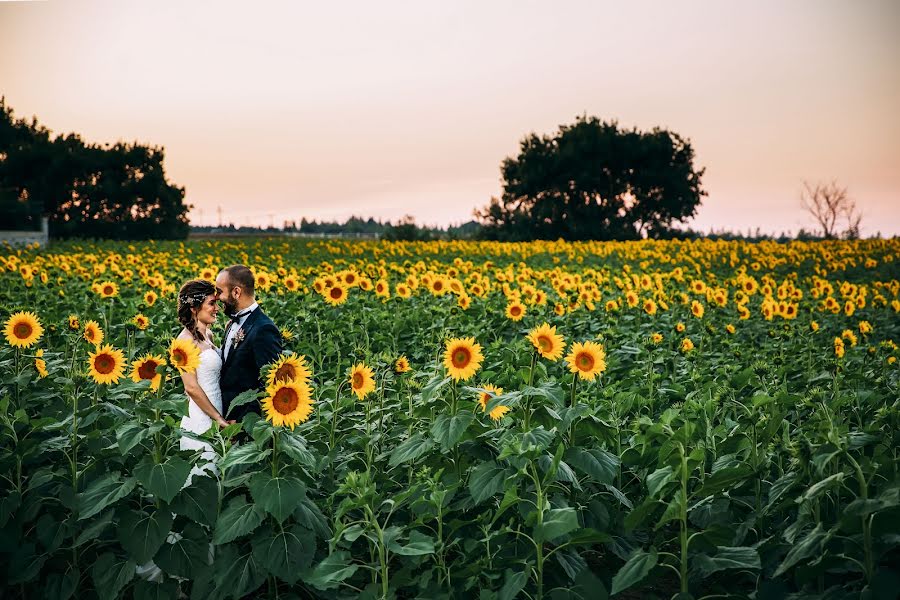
{"x": 193, "y": 389}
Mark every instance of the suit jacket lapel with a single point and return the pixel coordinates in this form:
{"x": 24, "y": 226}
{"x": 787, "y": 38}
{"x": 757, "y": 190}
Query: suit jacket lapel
{"x": 248, "y": 324}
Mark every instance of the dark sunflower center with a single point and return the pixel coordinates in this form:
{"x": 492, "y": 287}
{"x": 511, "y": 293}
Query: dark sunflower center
{"x": 358, "y": 381}
{"x": 285, "y": 372}
{"x": 147, "y": 370}
{"x": 108, "y": 290}
{"x": 584, "y": 361}
{"x": 515, "y": 311}
{"x": 285, "y": 400}
{"x": 22, "y": 330}
{"x": 438, "y": 286}
{"x": 350, "y": 278}
{"x": 461, "y": 357}
{"x": 179, "y": 356}
{"x": 104, "y": 364}
{"x": 545, "y": 343}
{"x": 336, "y": 293}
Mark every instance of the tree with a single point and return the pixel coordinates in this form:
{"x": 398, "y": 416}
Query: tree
{"x": 593, "y": 180}
{"x": 829, "y": 204}
{"x": 86, "y": 190}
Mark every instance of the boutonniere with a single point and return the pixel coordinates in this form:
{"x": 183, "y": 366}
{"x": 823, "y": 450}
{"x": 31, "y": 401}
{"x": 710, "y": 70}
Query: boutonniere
{"x": 238, "y": 337}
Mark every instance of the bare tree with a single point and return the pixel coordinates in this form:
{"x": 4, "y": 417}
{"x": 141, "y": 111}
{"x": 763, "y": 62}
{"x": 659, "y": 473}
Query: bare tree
{"x": 829, "y": 204}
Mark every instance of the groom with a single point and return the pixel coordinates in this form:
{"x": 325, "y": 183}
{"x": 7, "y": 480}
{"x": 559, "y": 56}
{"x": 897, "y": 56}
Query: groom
{"x": 251, "y": 339}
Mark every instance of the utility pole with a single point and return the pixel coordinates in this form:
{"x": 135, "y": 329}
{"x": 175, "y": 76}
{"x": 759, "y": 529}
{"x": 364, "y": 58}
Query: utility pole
{"x": 219, "y": 210}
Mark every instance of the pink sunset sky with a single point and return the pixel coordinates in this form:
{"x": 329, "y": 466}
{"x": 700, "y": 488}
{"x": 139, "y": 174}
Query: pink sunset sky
{"x": 284, "y": 110}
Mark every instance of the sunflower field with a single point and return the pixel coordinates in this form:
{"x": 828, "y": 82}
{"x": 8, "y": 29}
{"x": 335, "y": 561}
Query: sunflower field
{"x": 460, "y": 420}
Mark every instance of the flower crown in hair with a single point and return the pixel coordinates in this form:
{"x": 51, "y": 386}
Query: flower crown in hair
{"x": 192, "y": 299}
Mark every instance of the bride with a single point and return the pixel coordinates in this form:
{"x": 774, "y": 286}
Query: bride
{"x": 197, "y": 311}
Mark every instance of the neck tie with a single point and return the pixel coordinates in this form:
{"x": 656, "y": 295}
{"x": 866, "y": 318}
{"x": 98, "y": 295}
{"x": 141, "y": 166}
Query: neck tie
{"x": 237, "y": 318}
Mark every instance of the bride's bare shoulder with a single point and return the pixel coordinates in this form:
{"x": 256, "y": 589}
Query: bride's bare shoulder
{"x": 186, "y": 335}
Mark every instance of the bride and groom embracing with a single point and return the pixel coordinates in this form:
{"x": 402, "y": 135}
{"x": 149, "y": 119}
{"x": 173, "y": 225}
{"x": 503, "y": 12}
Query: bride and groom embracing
{"x": 250, "y": 342}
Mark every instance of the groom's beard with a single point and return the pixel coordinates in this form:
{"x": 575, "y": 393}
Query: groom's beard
{"x": 230, "y": 307}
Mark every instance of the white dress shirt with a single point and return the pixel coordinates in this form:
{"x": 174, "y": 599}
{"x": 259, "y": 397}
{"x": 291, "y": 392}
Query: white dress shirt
{"x": 232, "y": 331}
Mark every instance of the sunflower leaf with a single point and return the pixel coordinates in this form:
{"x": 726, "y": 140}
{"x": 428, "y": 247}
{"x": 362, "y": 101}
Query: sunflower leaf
{"x": 163, "y": 480}
{"x": 278, "y": 496}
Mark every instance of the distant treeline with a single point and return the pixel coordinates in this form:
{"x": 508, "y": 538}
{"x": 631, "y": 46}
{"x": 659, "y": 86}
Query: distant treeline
{"x": 407, "y": 230}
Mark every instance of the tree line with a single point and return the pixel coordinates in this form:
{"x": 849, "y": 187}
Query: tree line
{"x": 115, "y": 191}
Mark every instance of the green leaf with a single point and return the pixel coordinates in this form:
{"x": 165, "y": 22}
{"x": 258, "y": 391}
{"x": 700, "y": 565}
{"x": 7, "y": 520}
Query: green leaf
{"x": 808, "y": 546}
{"x": 148, "y": 590}
{"x": 129, "y": 435}
{"x": 237, "y": 571}
{"x": 816, "y": 490}
{"x": 657, "y": 479}
{"x": 726, "y": 557}
{"x": 309, "y": 515}
{"x": 486, "y": 480}
{"x": 448, "y": 430}
{"x": 93, "y": 531}
{"x": 293, "y": 444}
{"x": 332, "y": 571}
{"x": 163, "y": 480}
{"x": 634, "y": 570}
{"x": 242, "y": 399}
{"x": 287, "y": 553}
{"x": 599, "y": 464}
{"x": 188, "y": 556}
{"x": 199, "y": 501}
{"x": 419, "y": 545}
{"x": 513, "y": 583}
{"x": 111, "y": 573}
{"x": 672, "y": 512}
{"x": 725, "y": 478}
{"x": 411, "y": 449}
{"x": 245, "y": 454}
{"x": 278, "y": 496}
{"x": 102, "y": 492}
{"x": 557, "y": 522}
{"x": 142, "y": 534}
{"x": 237, "y": 520}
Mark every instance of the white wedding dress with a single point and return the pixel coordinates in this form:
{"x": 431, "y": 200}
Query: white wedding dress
{"x": 198, "y": 421}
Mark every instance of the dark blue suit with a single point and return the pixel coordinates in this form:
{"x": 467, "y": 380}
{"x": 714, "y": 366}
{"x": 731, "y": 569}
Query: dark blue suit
{"x": 240, "y": 371}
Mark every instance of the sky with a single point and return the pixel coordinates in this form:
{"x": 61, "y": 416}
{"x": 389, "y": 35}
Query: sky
{"x": 276, "y": 111}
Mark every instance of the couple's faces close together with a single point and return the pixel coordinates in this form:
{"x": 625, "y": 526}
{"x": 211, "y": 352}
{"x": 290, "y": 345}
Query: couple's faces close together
{"x": 226, "y": 293}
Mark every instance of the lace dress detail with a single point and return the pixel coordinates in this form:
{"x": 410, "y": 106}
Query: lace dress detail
{"x": 198, "y": 421}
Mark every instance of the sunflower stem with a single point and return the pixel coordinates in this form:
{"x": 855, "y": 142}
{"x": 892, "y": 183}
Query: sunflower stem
{"x": 274, "y": 452}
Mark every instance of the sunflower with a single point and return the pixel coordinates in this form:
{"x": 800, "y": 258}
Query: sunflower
{"x": 92, "y": 333}
{"x": 813, "y": 326}
{"x": 484, "y": 397}
{"x": 687, "y": 345}
{"x": 462, "y": 357}
{"x": 291, "y": 284}
{"x": 362, "y": 380}
{"x": 382, "y": 289}
{"x": 865, "y": 327}
{"x": 587, "y": 360}
{"x": 546, "y": 341}
{"x": 23, "y": 329}
{"x": 403, "y": 290}
{"x": 335, "y": 295}
{"x": 464, "y": 301}
{"x": 650, "y": 307}
{"x": 184, "y": 355}
{"x": 288, "y": 403}
{"x": 656, "y": 338}
{"x": 39, "y": 364}
{"x": 438, "y": 286}
{"x": 146, "y": 369}
{"x": 679, "y": 327}
{"x": 730, "y": 328}
{"x": 287, "y": 334}
{"x": 697, "y": 309}
{"x": 107, "y": 289}
{"x": 106, "y": 365}
{"x": 402, "y": 365}
{"x": 208, "y": 274}
{"x": 515, "y": 310}
{"x": 140, "y": 321}
{"x": 288, "y": 367}
{"x": 150, "y": 298}
{"x": 74, "y": 325}
{"x": 839, "y": 347}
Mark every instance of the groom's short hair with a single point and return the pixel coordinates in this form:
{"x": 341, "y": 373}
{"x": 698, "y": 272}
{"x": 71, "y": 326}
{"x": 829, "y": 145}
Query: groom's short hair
{"x": 242, "y": 276}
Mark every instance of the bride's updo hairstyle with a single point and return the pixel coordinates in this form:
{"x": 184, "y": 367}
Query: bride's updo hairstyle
{"x": 191, "y": 297}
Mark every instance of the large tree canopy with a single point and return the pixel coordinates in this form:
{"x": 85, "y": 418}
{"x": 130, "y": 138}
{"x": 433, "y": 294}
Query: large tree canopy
{"x": 117, "y": 191}
{"x": 593, "y": 180}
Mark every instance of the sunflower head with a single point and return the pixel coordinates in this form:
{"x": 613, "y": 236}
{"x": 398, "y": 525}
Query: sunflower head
{"x": 184, "y": 355}
{"x": 106, "y": 365}
{"x": 146, "y": 368}
{"x": 74, "y": 325}
{"x": 23, "y": 329}
{"x": 92, "y": 333}
{"x": 515, "y": 310}
{"x": 587, "y": 360}
{"x": 107, "y": 289}
{"x": 462, "y": 358}
{"x": 141, "y": 321}
{"x": 288, "y": 403}
{"x": 687, "y": 345}
{"x": 546, "y": 341}
{"x": 402, "y": 365}
{"x": 289, "y": 367}
{"x": 336, "y": 294}
{"x": 490, "y": 391}
{"x": 362, "y": 380}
